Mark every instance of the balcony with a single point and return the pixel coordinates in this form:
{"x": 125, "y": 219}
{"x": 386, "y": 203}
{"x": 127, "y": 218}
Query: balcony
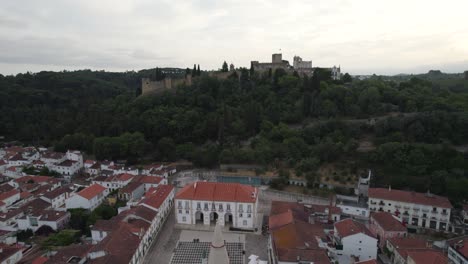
{"x": 406, "y": 207}
{"x": 228, "y": 210}
{"x": 198, "y": 208}
{"x": 205, "y": 209}
{"x": 372, "y": 202}
{"x": 221, "y": 209}
{"x": 416, "y": 209}
{"x": 444, "y": 213}
{"x": 381, "y": 203}
{"x": 425, "y": 210}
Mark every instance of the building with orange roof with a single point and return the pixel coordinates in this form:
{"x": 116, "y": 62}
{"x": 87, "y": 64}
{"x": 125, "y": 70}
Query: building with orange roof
{"x": 206, "y": 202}
{"x": 384, "y": 225}
{"x": 10, "y": 197}
{"x": 293, "y": 238}
{"x": 400, "y": 246}
{"x": 354, "y": 239}
{"x": 10, "y": 254}
{"x": 88, "y": 198}
{"x": 423, "y": 210}
{"x": 114, "y": 182}
{"x": 426, "y": 257}
{"x": 458, "y": 250}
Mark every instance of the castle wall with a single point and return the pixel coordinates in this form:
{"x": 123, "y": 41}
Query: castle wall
{"x": 148, "y": 86}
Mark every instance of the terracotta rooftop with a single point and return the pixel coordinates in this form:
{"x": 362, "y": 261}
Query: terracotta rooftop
{"x": 40, "y": 260}
{"x": 216, "y": 191}
{"x": 129, "y": 188}
{"x": 316, "y": 256}
{"x": 387, "y": 222}
{"x": 67, "y": 163}
{"x": 462, "y": 246}
{"x": 36, "y": 179}
{"x": 7, "y": 251}
{"x": 427, "y": 257}
{"x": 8, "y": 194}
{"x": 120, "y": 245}
{"x": 66, "y": 253}
{"x": 91, "y": 191}
{"x": 408, "y": 243}
{"x": 6, "y": 187}
{"x": 155, "y": 197}
{"x": 349, "y": 227}
{"x": 52, "y": 155}
{"x": 409, "y": 197}
{"x": 90, "y": 162}
{"x": 57, "y": 192}
{"x": 279, "y": 220}
{"x": 149, "y": 179}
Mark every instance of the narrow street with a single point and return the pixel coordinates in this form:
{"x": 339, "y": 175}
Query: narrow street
{"x": 161, "y": 250}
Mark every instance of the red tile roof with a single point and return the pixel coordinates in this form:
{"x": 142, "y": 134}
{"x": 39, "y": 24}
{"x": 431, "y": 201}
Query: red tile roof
{"x": 36, "y": 179}
{"x": 409, "y": 197}
{"x": 8, "y": 251}
{"x": 149, "y": 179}
{"x": 408, "y": 242}
{"x": 40, "y": 260}
{"x": 89, "y": 162}
{"x": 119, "y": 245}
{"x": 2, "y": 162}
{"x": 316, "y": 256}
{"x": 65, "y": 253}
{"x": 387, "y": 222}
{"x": 156, "y": 197}
{"x": 462, "y": 247}
{"x": 216, "y": 191}
{"x": 25, "y": 194}
{"x": 125, "y": 177}
{"x": 91, "y": 191}
{"x": 349, "y": 227}
{"x": 8, "y": 194}
{"x": 67, "y": 163}
{"x": 279, "y": 220}
{"x": 427, "y": 257}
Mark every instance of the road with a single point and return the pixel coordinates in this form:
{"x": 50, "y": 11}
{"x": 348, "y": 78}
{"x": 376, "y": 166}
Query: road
{"x": 161, "y": 250}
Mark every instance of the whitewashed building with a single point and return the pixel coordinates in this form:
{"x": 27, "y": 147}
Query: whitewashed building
{"x": 412, "y": 208}
{"x": 88, "y": 198}
{"x": 207, "y": 202}
{"x": 54, "y": 219}
{"x": 353, "y": 239}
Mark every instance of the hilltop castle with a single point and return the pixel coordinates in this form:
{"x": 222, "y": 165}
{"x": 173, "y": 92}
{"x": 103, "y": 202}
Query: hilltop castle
{"x": 300, "y": 66}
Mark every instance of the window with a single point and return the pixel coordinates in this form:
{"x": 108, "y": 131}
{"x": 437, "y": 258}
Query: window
{"x": 180, "y": 211}
{"x": 180, "y": 204}
{"x": 186, "y": 211}
{"x": 184, "y": 219}
{"x": 198, "y": 206}
{"x": 434, "y": 209}
{"x": 220, "y": 207}
{"x": 249, "y": 208}
{"x": 186, "y": 204}
{"x": 206, "y": 206}
{"x": 249, "y": 215}
{"x": 359, "y": 249}
{"x": 240, "y": 215}
{"x": 240, "y": 207}
{"x": 228, "y": 207}
{"x": 360, "y": 241}
{"x": 389, "y": 204}
{"x": 244, "y": 222}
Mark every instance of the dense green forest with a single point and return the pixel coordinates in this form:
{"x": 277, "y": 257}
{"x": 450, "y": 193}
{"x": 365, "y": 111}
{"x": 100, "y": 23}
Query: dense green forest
{"x": 275, "y": 119}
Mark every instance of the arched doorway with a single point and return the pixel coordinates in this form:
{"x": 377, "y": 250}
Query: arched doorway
{"x": 199, "y": 217}
{"x": 228, "y": 219}
{"x": 213, "y": 218}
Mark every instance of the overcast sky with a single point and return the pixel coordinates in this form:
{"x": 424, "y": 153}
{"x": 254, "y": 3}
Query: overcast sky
{"x": 363, "y": 36}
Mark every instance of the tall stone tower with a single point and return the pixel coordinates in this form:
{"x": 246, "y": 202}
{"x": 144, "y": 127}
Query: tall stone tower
{"x": 218, "y": 252}
{"x": 277, "y": 58}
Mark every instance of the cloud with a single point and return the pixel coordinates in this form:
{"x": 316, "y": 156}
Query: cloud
{"x": 361, "y": 36}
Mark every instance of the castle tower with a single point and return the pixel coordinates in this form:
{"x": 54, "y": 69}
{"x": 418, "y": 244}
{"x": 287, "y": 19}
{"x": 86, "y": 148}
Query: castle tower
{"x": 218, "y": 252}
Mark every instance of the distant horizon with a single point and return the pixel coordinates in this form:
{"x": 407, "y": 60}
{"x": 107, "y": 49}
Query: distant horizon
{"x": 175, "y": 67}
